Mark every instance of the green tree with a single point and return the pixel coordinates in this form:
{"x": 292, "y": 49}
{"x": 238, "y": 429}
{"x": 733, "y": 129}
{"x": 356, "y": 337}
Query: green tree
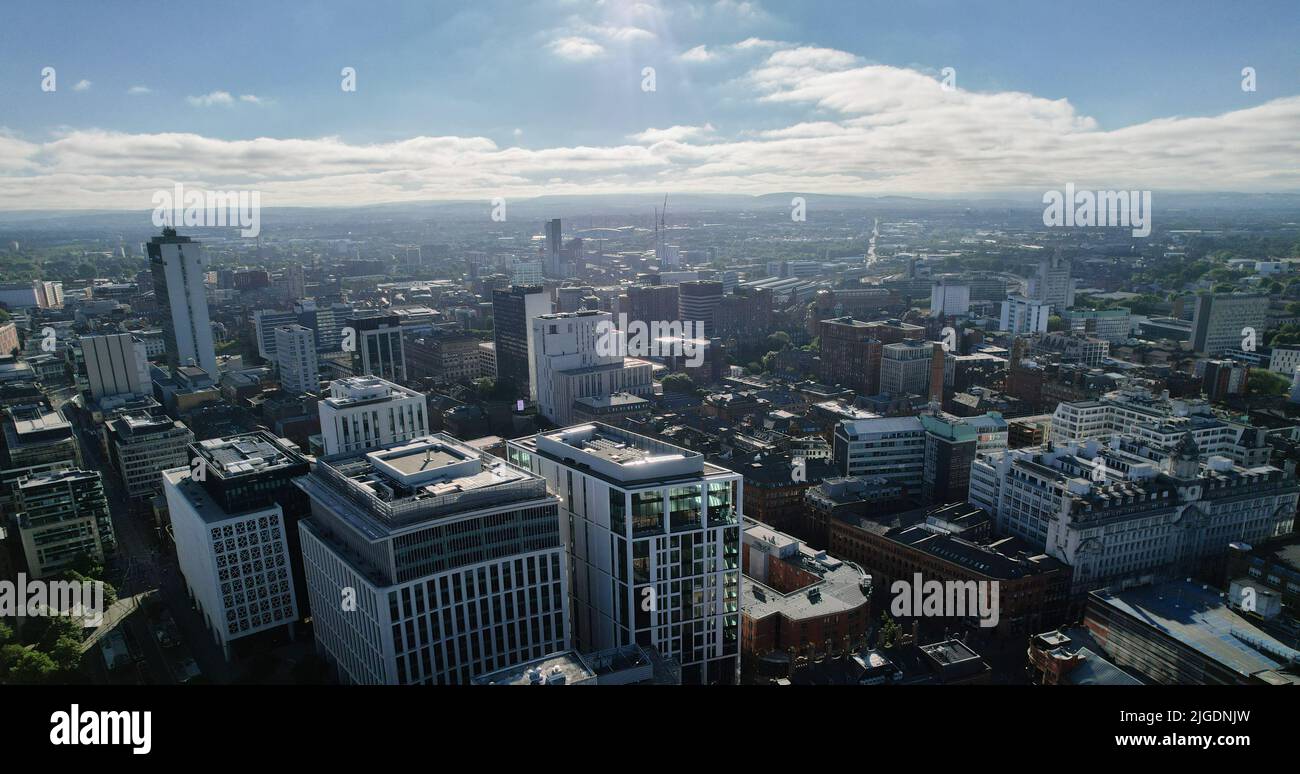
{"x": 678, "y": 383}
{"x": 33, "y": 667}
{"x": 890, "y": 631}
{"x": 1268, "y": 383}
{"x": 66, "y": 653}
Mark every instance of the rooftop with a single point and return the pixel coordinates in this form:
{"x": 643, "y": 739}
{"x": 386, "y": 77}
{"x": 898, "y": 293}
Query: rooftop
{"x": 242, "y": 455}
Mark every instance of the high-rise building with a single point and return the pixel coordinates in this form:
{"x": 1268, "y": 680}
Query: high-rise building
{"x": 951, "y": 444}
{"x": 1052, "y": 284}
{"x": 265, "y": 322}
{"x": 949, "y": 299}
{"x": 178, "y": 267}
{"x": 62, "y": 516}
{"x": 295, "y": 354}
{"x": 1022, "y": 315}
{"x": 366, "y": 412}
{"x": 378, "y": 341}
{"x": 1120, "y": 512}
{"x": 905, "y": 368}
{"x": 1112, "y": 325}
{"x": 513, "y": 310}
{"x": 234, "y": 513}
{"x": 432, "y": 563}
{"x": 141, "y": 446}
{"x": 37, "y": 438}
{"x": 116, "y": 365}
{"x": 850, "y": 355}
{"x": 697, "y": 302}
{"x": 650, "y": 303}
{"x": 1219, "y": 321}
{"x": 570, "y": 361}
{"x": 653, "y": 535}
{"x": 554, "y": 265}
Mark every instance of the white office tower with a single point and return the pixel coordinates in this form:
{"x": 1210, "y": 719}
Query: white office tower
{"x": 949, "y": 300}
{"x": 116, "y": 365}
{"x": 653, "y": 535}
{"x": 1022, "y": 315}
{"x": 232, "y": 511}
{"x": 366, "y": 412}
{"x": 265, "y": 322}
{"x": 1052, "y": 284}
{"x": 295, "y": 354}
{"x": 432, "y": 563}
{"x": 178, "y": 267}
{"x": 572, "y": 361}
{"x": 1122, "y": 513}
{"x": 905, "y": 367}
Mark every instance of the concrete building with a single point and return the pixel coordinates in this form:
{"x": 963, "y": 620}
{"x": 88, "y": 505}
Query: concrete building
{"x": 451, "y": 559}
{"x": 1219, "y": 320}
{"x": 512, "y": 311}
{"x": 1124, "y": 513}
{"x": 234, "y": 516}
{"x": 949, "y": 299}
{"x": 378, "y": 341}
{"x": 1112, "y": 325}
{"x": 697, "y": 302}
{"x": 366, "y": 412}
{"x": 295, "y": 355}
{"x": 62, "y": 515}
{"x": 572, "y": 361}
{"x": 265, "y": 323}
{"x": 1052, "y": 284}
{"x": 653, "y": 537}
{"x": 1160, "y": 422}
{"x": 116, "y": 365}
{"x": 905, "y": 367}
{"x": 141, "y": 446}
{"x": 179, "y": 267}
{"x": 1022, "y": 315}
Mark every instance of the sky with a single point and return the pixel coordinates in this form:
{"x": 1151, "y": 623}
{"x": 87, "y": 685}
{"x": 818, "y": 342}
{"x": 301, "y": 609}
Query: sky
{"x": 501, "y": 98}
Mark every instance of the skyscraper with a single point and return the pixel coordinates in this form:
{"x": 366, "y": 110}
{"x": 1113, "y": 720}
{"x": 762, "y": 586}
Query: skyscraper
{"x": 177, "y": 264}
{"x": 1220, "y": 319}
{"x": 697, "y": 301}
{"x": 570, "y": 361}
{"x": 512, "y": 311}
{"x": 432, "y": 563}
{"x": 554, "y": 264}
{"x": 653, "y": 535}
{"x": 1052, "y": 284}
{"x": 379, "y": 349}
{"x": 365, "y": 412}
{"x": 116, "y": 365}
{"x": 295, "y": 353}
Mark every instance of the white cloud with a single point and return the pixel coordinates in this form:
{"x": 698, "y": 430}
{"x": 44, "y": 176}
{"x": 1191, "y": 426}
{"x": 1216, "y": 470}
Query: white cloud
{"x": 212, "y": 98}
{"x": 860, "y": 128}
{"x": 671, "y": 134}
{"x": 576, "y": 48}
{"x": 697, "y": 54}
{"x": 254, "y": 99}
{"x": 139, "y": 90}
{"x": 81, "y": 85}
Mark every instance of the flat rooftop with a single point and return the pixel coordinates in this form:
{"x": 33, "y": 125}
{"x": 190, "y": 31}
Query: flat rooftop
{"x": 242, "y": 455}
{"x": 1198, "y": 618}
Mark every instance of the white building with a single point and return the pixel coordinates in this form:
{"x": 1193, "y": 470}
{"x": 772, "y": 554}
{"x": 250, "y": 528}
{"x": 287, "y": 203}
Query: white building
{"x": 179, "y": 267}
{"x": 1024, "y": 315}
{"x": 653, "y": 536}
{"x": 1220, "y": 320}
{"x": 1284, "y": 360}
{"x": 1161, "y": 423}
{"x": 905, "y": 367}
{"x": 570, "y": 361}
{"x": 265, "y": 322}
{"x": 1122, "y": 514}
{"x": 1052, "y": 284}
{"x": 141, "y": 446}
{"x": 295, "y": 354}
{"x": 432, "y": 563}
{"x": 366, "y": 412}
{"x": 116, "y": 365}
{"x": 949, "y": 300}
{"x": 232, "y": 534}
{"x": 62, "y": 515}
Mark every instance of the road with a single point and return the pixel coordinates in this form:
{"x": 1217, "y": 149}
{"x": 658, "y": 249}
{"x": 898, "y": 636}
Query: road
{"x": 145, "y": 563}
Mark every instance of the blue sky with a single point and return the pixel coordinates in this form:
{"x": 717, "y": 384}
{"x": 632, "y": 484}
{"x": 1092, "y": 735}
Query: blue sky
{"x": 514, "y": 92}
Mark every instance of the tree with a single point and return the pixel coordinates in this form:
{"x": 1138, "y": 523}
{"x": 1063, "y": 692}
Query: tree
{"x": 778, "y": 341}
{"x": 890, "y": 631}
{"x": 678, "y": 383}
{"x": 1055, "y": 323}
{"x": 32, "y": 667}
{"x": 1268, "y": 383}
{"x": 66, "y": 653}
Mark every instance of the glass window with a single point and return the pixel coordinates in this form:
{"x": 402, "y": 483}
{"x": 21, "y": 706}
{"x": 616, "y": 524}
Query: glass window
{"x": 647, "y": 513}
